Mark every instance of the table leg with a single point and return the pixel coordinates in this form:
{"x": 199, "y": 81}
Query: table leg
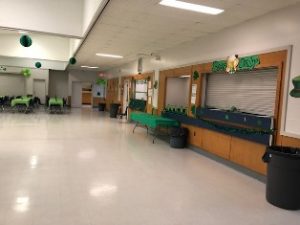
{"x": 135, "y": 127}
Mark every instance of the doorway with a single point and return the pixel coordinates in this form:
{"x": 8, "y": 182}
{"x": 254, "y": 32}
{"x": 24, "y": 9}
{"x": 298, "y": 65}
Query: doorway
{"x": 76, "y": 98}
{"x": 39, "y": 89}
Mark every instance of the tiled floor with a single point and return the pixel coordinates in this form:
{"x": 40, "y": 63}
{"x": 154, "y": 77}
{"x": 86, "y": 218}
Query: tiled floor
{"x": 87, "y": 169}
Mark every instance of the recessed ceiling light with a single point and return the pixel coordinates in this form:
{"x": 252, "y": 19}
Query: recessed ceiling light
{"x": 191, "y": 7}
{"x": 109, "y": 55}
{"x": 22, "y": 32}
{"x": 90, "y": 67}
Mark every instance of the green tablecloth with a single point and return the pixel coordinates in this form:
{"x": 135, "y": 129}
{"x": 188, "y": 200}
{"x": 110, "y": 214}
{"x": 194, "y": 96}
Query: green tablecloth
{"x": 20, "y": 101}
{"x": 56, "y": 102}
{"x": 153, "y": 121}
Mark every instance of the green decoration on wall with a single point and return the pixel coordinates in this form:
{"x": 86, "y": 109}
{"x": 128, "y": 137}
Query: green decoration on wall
{"x": 155, "y": 85}
{"x": 26, "y": 41}
{"x": 137, "y": 104}
{"x": 296, "y": 91}
{"x": 226, "y": 117}
{"x": 193, "y": 109}
{"x": 219, "y": 66}
{"x": 245, "y": 63}
{"x": 233, "y": 109}
{"x": 26, "y": 72}
{"x": 38, "y": 65}
{"x": 72, "y": 61}
{"x": 196, "y": 75}
{"x": 238, "y": 130}
{"x": 100, "y": 81}
{"x": 249, "y": 62}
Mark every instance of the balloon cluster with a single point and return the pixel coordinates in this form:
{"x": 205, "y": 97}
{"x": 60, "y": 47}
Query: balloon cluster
{"x": 26, "y": 41}
{"x": 26, "y": 72}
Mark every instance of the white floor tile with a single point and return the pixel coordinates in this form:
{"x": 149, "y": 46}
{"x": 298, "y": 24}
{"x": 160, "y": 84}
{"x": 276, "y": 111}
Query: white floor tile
{"x": 87, "y": 169}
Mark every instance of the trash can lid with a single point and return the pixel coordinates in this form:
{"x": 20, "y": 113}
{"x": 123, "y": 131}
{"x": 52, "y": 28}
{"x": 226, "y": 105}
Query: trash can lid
{"x": 284, "y": 151}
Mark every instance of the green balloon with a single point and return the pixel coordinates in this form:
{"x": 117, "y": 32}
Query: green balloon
{"x": 72, "y": 61}
{"x": 38, "y": 65}
{"x": 26, "y": 72}
{"x": 26, "y": 41}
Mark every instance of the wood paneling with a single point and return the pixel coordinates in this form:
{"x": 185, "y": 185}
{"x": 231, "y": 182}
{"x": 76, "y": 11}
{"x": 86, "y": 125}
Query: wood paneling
{"x": 242, "y": 152}
{"x": 87, "y": 98}
{"x": 291, "y": 142}
{"x": 195, "y": 136}
{"x": 248, "y": 154}
{"x": 216, "y": 143}
{"x": 112, "y": 92}
{"x": 163, "y": 76}
{"x": 97, "y": 100}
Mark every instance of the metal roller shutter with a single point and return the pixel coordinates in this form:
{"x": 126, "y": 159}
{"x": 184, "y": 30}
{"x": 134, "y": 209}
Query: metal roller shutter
{"x": 251, "y": 91}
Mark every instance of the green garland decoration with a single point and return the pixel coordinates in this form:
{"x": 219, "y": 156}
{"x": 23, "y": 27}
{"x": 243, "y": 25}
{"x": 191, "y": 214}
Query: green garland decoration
{"x": 25, "y": 41}
{"x": 26, "y": 72}
{"x": 245, "y": 63}
{"x": 219, "y": 66}
{"x": 193, "y": 109}
{"x": 38, "y": 65}
{"x": 249, "y": 62}
{"x": 238, "y": 130}
{"x": 72, "y": 61}
{"x": 100, "y": 81}
{"x": 155, "y": 85}
{"x": 196, "y": 75}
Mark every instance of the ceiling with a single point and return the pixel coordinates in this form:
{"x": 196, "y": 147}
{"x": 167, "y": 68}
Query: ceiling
{"x": 133, "y": 27}
{"x": 56, "y": 33}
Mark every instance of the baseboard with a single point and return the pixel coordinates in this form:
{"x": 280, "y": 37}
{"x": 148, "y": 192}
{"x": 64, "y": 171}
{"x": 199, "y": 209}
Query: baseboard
{"x": 230, "y": 164}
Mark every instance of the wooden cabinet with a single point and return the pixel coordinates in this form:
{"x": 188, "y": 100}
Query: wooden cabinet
{"x": 245, "y": 153}
{"x": 216, "y": 143}
{"x": 248, "y": 154}
{"x": 86, "y": 98}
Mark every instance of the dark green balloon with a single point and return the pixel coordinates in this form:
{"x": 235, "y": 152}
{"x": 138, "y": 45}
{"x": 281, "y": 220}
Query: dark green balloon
{"x": 26, "y": 41}
{"x": 38, "y": 65}
{"x": 72, "y": 61}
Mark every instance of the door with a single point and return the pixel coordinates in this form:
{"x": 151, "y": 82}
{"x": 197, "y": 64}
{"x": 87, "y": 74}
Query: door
{"x": 76, "y": 99}
{"x": 39, "y": 89}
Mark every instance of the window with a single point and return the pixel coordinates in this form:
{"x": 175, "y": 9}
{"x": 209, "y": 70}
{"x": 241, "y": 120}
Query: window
{"x": 251, "y": 91}
{"x": 141, "y": 89}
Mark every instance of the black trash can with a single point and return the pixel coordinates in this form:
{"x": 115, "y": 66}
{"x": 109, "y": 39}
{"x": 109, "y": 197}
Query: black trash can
{"x": 101, "y": 107}
{"x": 114, "y": 108}
{"x": 283, "y": 177}
{"x": 178, "y": 137}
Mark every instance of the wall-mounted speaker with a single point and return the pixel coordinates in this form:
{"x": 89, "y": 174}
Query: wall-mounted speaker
{"x": 140, "y": 65}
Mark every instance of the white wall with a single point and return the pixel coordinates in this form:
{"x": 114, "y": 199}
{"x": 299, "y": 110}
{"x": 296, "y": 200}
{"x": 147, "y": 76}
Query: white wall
{"x": 35, "y": 74}
{"x": 277, "y": 29}
{"x": 81, "y": 76}
{"x": 30, "y": 63}
{"x": 12, "y": 84}
{"x": 43, "y": 47}
{"x": 90, "y": 11}
{"x": 176, "y": 86}
{"x": 51, "y": 16}
{"x": 58, "y": 83}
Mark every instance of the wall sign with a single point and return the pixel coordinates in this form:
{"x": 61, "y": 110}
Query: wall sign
{"x": 194, "y": 94}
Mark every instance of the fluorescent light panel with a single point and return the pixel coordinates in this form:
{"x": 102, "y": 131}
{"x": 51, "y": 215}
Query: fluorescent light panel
{"x": 109, "y": 55}
{"x": 191, "y": 7}
{"x": 90, "y": 67}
